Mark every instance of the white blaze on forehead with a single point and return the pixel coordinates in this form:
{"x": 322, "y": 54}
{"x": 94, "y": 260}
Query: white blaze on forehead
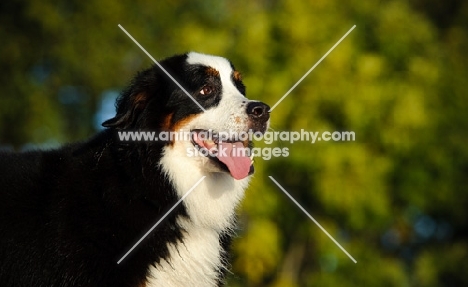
{"x": 222, "y": 65}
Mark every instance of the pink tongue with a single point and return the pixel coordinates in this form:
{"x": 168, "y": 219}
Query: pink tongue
{"x": 236, "y": 159}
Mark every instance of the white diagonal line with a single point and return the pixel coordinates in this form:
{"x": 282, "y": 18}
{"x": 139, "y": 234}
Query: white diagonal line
{"x": 162, "y": 218}
{"x": 161, "y": 67}
{"x": 315, "y": 221}
{"x": 313, "y": 67}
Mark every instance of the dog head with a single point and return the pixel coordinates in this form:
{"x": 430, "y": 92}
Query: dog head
{"x": 212, "y": 104}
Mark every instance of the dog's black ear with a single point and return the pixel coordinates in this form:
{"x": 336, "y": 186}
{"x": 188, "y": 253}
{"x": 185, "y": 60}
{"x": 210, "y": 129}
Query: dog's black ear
{"x": 129, "y": 107}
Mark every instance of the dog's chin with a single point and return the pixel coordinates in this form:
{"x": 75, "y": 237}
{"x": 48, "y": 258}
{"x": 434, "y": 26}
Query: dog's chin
{"x": 227, "y": 156}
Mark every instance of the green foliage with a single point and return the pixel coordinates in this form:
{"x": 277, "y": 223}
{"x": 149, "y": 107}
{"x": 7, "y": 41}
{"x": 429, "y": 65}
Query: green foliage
{"x": 395, "y": 198}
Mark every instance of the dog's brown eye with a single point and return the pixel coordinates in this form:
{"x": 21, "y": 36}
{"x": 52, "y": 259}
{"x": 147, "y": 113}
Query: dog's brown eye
{"x": 206, "y": 90}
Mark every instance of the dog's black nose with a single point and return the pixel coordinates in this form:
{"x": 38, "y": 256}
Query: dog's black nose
{"x": 258, "y": 110}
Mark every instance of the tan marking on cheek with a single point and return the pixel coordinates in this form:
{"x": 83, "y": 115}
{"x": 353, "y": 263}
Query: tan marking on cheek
{"x": 238, "y": 120}
{"x": 212, "y": 72}
{"x": 166, "y": 125}
{"x": 237, "y": 76}
{"x": 176, "y": 126}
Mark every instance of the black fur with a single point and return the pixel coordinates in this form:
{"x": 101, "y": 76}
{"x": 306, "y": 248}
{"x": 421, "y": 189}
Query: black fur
{"x": 68, "y": 215}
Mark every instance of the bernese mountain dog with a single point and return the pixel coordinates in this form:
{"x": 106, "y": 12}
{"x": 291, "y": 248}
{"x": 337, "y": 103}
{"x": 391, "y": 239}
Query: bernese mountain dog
{"x": 68, "y": 215}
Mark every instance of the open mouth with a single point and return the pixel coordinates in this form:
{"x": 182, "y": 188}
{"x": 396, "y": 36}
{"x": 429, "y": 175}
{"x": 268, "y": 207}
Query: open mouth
{"x": 232, "y": 156}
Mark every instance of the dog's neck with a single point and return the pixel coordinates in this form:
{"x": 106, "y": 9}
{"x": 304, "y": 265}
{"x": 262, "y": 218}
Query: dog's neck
{"x": 211, "y": 215}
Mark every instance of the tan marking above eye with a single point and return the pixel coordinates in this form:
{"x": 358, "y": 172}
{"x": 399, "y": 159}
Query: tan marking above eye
{"x": 237, "y": 76}
{"x": 212, "y": 71}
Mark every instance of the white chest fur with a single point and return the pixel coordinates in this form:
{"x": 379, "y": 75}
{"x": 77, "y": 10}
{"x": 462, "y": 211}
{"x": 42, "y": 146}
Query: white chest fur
{"x": 211, "y": 209}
